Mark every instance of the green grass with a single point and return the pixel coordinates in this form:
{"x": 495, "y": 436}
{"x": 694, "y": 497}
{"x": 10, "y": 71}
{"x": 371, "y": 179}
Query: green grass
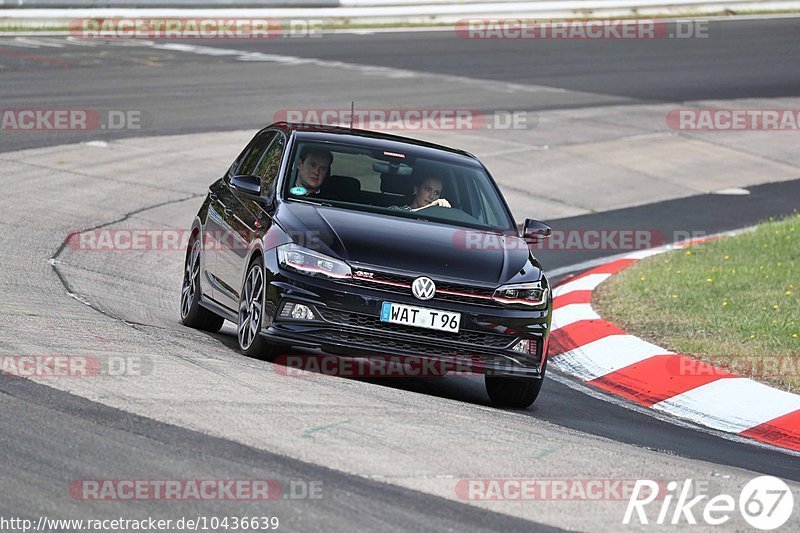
{"x": 734, "y": 302}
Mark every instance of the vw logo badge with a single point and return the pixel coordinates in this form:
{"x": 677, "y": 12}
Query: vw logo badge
{"x": 423, "y": 288}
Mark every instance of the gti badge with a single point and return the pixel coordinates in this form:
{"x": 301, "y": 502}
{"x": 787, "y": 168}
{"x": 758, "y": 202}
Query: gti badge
{"x": 423, "y": 288}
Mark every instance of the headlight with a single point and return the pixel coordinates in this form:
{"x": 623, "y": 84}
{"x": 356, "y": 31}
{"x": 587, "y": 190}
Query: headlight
{"x": 531, "y": 294}
{"x": 292, "y": 256}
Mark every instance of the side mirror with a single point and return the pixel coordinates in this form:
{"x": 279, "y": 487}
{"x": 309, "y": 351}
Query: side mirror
{"x": 247, "y": 185}
{"x": 533, "y": 229}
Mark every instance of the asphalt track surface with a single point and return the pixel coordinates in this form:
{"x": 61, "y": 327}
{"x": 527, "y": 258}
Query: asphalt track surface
{"x": 89, "y": 433}
{"x": 180, "y": 94}
{"x": 190, "y": 93}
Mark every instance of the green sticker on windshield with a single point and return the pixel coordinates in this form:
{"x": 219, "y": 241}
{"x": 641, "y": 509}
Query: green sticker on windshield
{"x": 298, "y": 191}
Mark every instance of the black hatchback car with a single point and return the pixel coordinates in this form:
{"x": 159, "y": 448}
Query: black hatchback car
{"x": 353, "y": 241}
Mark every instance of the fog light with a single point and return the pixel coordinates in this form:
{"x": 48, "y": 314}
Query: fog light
{"x": 297, "y": 311}
{"x": 525, "y": 346}
{"x": 302, "y": 312}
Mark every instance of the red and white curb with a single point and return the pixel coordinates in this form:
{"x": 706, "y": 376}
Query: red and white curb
{"x": 586, "y": 346}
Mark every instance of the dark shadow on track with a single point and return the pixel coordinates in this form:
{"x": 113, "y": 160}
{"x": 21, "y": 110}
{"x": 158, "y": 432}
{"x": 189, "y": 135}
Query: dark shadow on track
{"x": 562, "y": 405}
{"x": 57, "y": 438}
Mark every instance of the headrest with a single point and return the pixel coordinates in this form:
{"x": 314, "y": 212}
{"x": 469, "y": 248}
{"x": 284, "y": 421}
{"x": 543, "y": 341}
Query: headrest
{"x": 396, "y": 184}
{"x": 345, "y": 186}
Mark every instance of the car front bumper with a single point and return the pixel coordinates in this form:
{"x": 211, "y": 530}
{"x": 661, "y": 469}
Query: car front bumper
{"x": 347, "y": 321}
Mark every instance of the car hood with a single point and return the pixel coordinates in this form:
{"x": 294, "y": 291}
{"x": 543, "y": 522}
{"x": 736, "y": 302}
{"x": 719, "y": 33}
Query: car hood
{"x": 389, "y": 243}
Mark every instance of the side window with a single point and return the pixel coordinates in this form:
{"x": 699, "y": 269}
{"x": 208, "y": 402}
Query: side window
{"x": 270, "y": 163}
{"x": 257, "y": 148}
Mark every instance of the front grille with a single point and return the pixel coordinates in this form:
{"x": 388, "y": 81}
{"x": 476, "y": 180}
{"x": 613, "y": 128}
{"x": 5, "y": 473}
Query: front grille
{"x": 384, "y": 281}
{"x": 479, "y": 295}
{"x": 400, "y": 284}
{"x": 415, "y": 347}
{"x": 477, "y": 339}
{"x": 386, "y": 276}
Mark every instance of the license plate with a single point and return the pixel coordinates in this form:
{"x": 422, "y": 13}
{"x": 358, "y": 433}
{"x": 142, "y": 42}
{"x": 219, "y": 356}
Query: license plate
{"x": 420, "y": 317}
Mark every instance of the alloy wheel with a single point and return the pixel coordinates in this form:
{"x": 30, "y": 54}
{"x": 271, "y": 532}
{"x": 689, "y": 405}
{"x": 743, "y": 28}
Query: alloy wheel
{"x": 190, "y": 279}
{"x": 250, "y": 307}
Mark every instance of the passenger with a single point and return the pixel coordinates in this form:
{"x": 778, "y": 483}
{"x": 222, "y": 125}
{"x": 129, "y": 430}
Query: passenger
{"x": 313, "y": 167}
{"x": 427, "y": 193}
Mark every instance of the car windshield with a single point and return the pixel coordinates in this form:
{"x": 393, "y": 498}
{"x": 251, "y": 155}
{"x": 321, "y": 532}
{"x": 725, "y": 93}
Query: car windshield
{"x": 398, "y": 184}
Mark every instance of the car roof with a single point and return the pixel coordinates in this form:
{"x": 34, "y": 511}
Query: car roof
{"x": 375, "y": 140}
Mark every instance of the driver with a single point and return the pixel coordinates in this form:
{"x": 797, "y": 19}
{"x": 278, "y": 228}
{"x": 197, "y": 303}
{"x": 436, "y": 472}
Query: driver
{"x": 313, "y": 166}
{"x": 427, "y": 194}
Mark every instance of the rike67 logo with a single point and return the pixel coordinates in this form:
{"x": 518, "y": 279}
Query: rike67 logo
{"x": 765, "y": 503}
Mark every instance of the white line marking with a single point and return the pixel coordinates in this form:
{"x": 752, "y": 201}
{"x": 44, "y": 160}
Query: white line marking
{"x": 367, "y": 70}
{"x": 733, "y": 191}
{"x": 731, "y": 404}
{"x": 586, "y": 283}
{"x": 641, "y": 254}
{"x": 36, "y": 43}
{"x": 606, "y": 355}
{"x": 584, "y": 265}
{"x": 127, "y": 42}
{"x": 194, "y": 49}
{"x": 83, "y": 42}
{"x": 17, "y": 44}
{"x": 569, "y": 314}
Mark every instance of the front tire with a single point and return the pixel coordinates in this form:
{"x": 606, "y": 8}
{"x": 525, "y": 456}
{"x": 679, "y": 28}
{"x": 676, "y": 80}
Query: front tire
{"x": 251, "y": 314}
{"x": 513, "y": 392}
{"x": 192, "y": 313}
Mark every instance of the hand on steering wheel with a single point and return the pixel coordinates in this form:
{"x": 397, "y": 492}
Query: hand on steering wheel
{"x": 441, "y": 202}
